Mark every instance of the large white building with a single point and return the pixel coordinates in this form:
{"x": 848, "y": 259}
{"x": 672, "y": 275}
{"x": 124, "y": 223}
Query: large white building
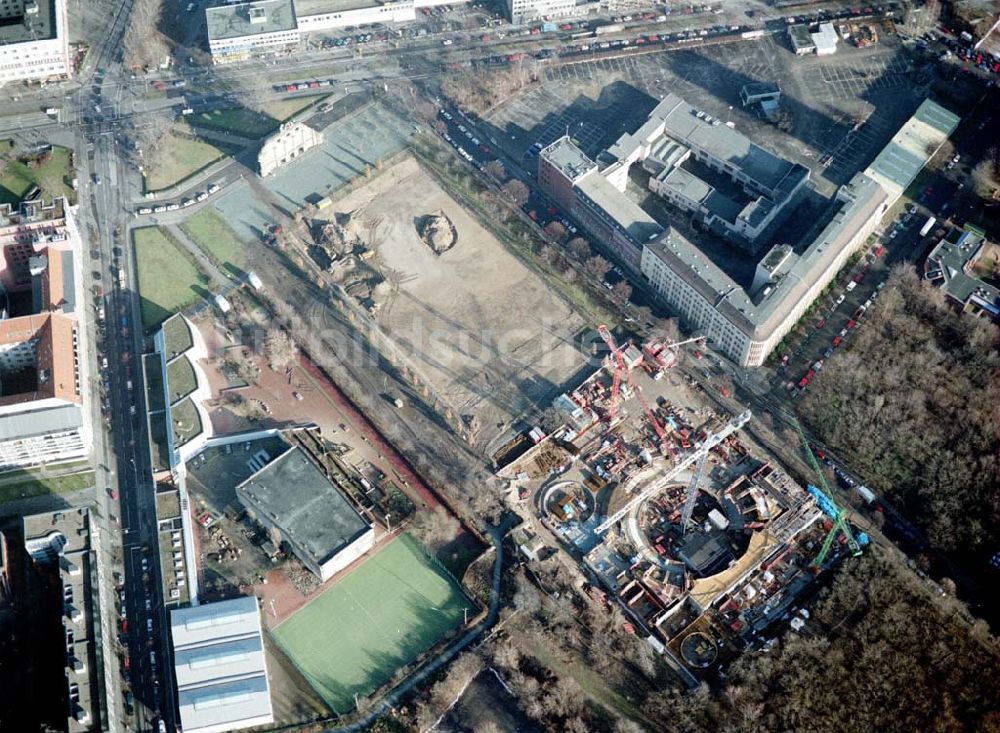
{"x": 42, "y": 349}
{"x": 305, "y": 510}
{"x": 288, "y": 143}
{"x": 526, "y": 11}
{"x": 744, "y": 320}
{"x": 219, "y": 666}
{"x": 238, "y": 32}
{"x": 34, "y": 40}
{"x": 747, "y": 324}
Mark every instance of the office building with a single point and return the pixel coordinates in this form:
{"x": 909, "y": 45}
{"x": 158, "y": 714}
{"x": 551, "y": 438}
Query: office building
{"x": 60, "y": 543}
{"x": 747, "y": 324}
{"x": 239, "y": 32}
{"x": 526, "y": 11}
{"x": 741, "y": 195}
{"x": 41, "y": 347}
{"x": 34, "y": 40}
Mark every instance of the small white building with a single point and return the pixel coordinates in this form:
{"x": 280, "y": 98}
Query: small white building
{"x": 290, "y": 141}
{"x": 34, "y": 40}
{"x": 825, "y": 39}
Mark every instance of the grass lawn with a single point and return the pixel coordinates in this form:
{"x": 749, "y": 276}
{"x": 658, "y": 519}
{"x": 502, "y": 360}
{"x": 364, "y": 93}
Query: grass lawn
{"x": 187, "y": 422}
{"x": 24, "y": 483}
{"x": 282, "y": 109}
{"x": 248, "y": 123}
{"x": 167, "y": 278}
{"x": 216, "y": 238}
{"x": 53, "y": 177}
{"x": 240, "y": 121}
{"x": 181, "y": 380}
{"x": 176, "y": 337}
{"x": 179, "y": 158}
{"x": 379, "y": 617}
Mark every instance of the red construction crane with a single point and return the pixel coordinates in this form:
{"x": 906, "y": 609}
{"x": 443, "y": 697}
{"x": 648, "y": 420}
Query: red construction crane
{"x": 620, "y": 369}
{"x": 619, "y": 361}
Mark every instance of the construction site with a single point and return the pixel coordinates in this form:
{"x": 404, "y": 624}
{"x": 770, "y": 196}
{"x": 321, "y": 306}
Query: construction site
{"x": 671, "y": 512}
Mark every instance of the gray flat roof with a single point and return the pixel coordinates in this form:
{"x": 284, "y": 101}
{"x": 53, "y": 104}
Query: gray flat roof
{"x": 907, "y": 153}
{"x": 297, "y": 497}
{"x": 859, "y": 199}
{"x": 318, "y": 7}
{"x": 39, "y": 25}
{"x": 951, "y": 259}
{"x": 692, "y": 187}
{"x": 619, "y": 207}
{"x": 219, "y": 665}
{"x": 801, "y": 37}
{"x": 30, "y": 423}
{"x": 233, "y": 21}
{"x": 568, "y": 159}
{"x": 696, "y": 129}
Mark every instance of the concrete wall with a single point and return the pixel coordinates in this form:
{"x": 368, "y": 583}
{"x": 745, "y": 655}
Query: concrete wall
{"x": 349, "y": 554}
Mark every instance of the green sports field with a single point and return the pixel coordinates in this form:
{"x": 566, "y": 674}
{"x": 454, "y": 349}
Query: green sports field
{"x": 379, "y": 617}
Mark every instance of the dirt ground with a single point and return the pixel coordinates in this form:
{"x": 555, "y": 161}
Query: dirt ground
{"x": 486, "y": 702}
{"x": 479, "y": 327}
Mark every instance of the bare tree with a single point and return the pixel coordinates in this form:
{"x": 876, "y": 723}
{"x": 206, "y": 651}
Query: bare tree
{"x": 516, "y": 191}
{"x": 434, "y": 528}
{"x": 279, "y": 349}
{"x": 143, "y": 46}
{"x": 597, "y": 266}
{"x": 986, "y": 177}
{"x": 555, "y": 231}
{"x": 579, "y": 248}
{"x": 621, "y": 291}
{"x": 238, "y": 362}
{"x": 252, "y": 90}
{"x": 147, "y": 135}
{"x": 496, "y": 169}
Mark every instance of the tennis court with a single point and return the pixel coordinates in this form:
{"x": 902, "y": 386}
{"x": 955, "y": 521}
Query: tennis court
{"x": 382, "y": 615}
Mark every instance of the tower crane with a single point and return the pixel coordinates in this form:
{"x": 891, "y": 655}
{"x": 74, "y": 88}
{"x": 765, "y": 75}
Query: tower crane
{"x": 622, "y": 369}
{"x": 824, "y": 499}
{"x": 692, "y": 493}
{"x": 711, "y": 440}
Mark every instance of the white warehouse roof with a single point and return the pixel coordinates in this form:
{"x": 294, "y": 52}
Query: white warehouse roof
{"x": 219, "y": 666}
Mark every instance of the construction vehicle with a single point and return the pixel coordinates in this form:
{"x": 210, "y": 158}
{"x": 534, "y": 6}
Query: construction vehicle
{"x": 824, "y": 500}
{"x": 271, "y": 234}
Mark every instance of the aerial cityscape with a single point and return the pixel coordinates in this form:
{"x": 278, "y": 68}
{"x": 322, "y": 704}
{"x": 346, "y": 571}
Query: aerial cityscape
{"x": 495, "y": 366}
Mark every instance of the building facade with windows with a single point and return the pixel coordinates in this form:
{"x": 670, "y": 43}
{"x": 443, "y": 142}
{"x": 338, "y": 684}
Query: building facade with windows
{"x": 239, "y": 32}
{"x": 747, "y": 325}
{"x": 526, "y": 11}
{"x": 42, "y": 350}
{"x": 34, "y": 40}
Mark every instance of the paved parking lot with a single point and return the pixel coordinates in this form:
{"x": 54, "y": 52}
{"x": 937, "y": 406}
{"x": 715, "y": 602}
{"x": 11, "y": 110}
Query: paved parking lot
{"x": 849, "y": 81}
{"x": 842, "y": 109}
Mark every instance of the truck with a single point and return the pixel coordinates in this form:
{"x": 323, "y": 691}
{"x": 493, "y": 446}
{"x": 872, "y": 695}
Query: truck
{"x": 865, "y": 493}
{"x": 928, "y": 225}
{"x": 611, "y": 28}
